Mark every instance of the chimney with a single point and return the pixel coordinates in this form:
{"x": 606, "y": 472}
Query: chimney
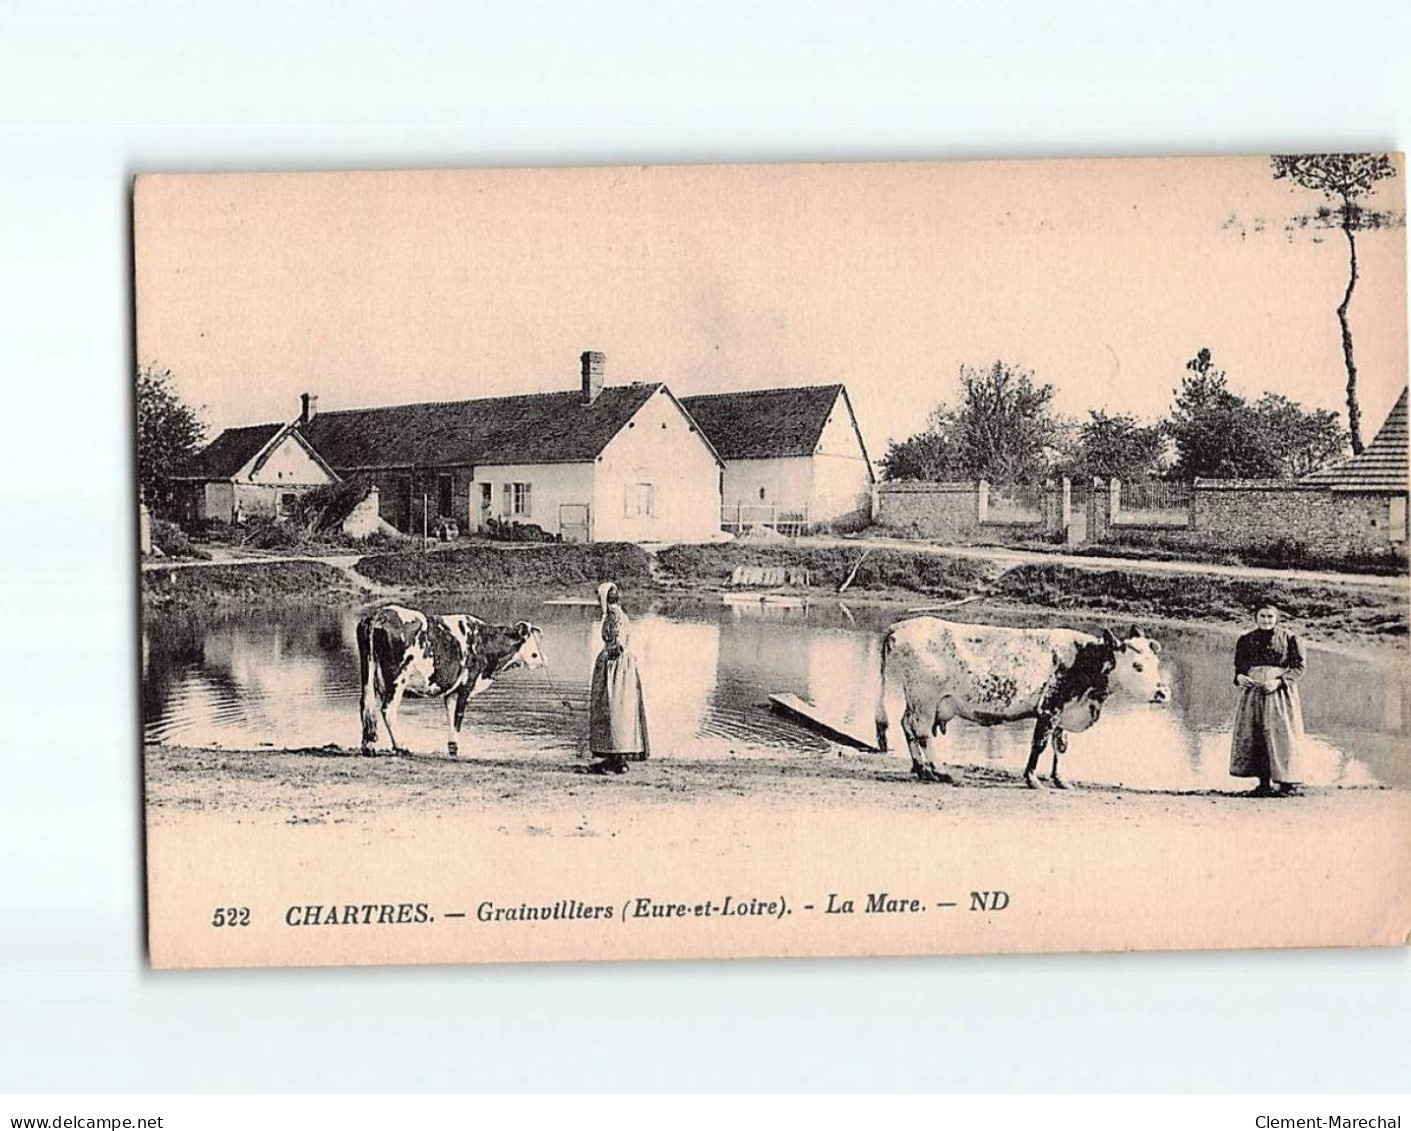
{"x": 310, "y": 408}
{"x": 593, "y": 363}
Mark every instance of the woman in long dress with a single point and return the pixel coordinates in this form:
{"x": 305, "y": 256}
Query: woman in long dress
{"x": 1269, "y": 719}
{"x": 617, "y": 718}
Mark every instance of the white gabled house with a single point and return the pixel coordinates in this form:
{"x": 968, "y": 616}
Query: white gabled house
{"x": 793, "y": 456}
{"x": 245, "y": 472}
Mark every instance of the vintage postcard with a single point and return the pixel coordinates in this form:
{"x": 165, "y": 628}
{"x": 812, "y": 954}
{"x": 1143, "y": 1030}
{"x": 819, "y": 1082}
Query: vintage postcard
{"x": 794, "y": 560}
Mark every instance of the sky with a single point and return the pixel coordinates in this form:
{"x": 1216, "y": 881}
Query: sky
{"x": 1102, "y": 277}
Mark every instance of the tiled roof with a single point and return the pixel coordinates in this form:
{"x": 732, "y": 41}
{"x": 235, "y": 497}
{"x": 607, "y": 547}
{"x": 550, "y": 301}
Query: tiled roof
{"x": 538, "y": 428}
{"x": 1382, "y": 464}
{"x": 228, "y": 452}
{"x": 764, "y": 423}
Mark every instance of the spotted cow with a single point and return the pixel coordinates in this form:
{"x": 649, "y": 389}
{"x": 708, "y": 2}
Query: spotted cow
{"x": 989, "y": 675}
{"x": 403, "y": 651}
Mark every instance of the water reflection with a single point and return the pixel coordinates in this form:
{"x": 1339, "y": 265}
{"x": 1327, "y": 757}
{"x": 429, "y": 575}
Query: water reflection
{"x": 289, "y": 679}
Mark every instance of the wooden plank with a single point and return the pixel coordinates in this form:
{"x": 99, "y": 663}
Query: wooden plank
{"x": 806, "y": 715}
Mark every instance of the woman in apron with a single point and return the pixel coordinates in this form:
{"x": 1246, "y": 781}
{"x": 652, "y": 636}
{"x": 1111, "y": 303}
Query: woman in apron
{"x": 1269, "y": 719}
{"x": 617, "y": 718}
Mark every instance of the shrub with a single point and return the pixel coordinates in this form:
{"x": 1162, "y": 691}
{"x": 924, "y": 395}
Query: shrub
{"x": 503, "y": 530}
{"x": 173, "y": 542}
{"x": 494, "y": 567}
{"x": 264, "y": 533}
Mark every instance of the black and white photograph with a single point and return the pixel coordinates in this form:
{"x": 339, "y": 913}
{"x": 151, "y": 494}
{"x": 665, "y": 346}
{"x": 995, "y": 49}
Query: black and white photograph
{"x": 679, "y": 561}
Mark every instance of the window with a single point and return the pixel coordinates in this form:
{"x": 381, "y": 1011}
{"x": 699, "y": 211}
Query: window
{"x": 639, "y": 500}
{"x": 519, "y": 499}
{"x": 761, "y": 494}
{"x": 287, "y": 501}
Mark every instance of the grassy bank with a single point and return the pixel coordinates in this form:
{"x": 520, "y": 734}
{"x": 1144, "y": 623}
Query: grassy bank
{"x": 494, "y": 567}
{"x": 1351, "y": 609}
{"x": 1180, "y": 546}
{"x": 203, "y": 586}
{"x": 933, "y": 575}
{"x": 1187, "y": 596}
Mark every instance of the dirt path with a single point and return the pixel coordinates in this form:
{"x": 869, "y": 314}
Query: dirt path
{"x": 1013, "y": 557}
{"x": 347, "y": 563}
{"x": 1088, "y": 868}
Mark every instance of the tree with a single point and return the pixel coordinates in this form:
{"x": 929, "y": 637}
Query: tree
{"x": 1001, "y": 428}
{"x": 1303, "y": 440}
{"x": 1116, "y": 446}
{"x": 1345, "y": 179}
{"x": 1217, "y": 434}
{"x": 168, "y": 433}
{"x": 928, "y": 455}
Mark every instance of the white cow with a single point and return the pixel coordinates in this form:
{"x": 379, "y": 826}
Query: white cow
{"x": 989, "y": 675}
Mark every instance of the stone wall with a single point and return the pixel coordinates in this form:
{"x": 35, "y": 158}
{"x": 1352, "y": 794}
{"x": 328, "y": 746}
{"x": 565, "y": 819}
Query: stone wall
{"x": 1245, "y": 512}
{"x": 962, "y": 512}
{"x": 929, "y": 510}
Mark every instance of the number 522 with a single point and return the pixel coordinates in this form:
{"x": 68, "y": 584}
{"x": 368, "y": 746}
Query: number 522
{"x": 231, "y": 917}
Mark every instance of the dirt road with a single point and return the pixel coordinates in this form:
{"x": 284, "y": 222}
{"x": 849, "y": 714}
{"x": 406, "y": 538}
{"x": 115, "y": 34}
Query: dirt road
{"x": 1086, "y": 868}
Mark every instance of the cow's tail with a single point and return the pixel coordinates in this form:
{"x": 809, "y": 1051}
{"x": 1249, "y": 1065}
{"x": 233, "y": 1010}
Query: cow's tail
{"x": 369, "y": 701}
{"x": 882, "y": 691}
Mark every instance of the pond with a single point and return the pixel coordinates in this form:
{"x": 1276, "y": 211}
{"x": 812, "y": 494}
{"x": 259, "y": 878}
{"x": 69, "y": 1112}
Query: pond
{"x": 288, "y": 678}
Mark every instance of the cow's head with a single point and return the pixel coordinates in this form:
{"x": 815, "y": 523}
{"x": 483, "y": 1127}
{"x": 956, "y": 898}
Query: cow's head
{"x": 530, "y": 653}
{"x": 1137, "y": 663}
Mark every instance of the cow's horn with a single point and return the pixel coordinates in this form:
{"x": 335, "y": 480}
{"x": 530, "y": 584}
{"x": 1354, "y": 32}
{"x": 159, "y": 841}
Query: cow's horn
{"x": 523, "y": 629}
{"x": 1110, "y": 639}
{"x": 1134, "y": 632}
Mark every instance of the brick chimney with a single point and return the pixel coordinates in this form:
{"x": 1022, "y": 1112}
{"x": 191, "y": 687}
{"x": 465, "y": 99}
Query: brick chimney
{"x": 310, "y": 409}
{"x": 593, "y": 364}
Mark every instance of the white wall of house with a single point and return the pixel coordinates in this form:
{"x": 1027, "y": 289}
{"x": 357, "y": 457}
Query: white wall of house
{"x": 756, "y": 485}
{"x": 264, "y": 500}
{"x": 842, "y": 480}
{"x": 833, "y": 482}
{"x": 218, "y": 501}
{"x": 288, "y": 464}
{"x": 552, "y": 487}
{"x": 657, "y": 481}
{"x": 289, "y": 471}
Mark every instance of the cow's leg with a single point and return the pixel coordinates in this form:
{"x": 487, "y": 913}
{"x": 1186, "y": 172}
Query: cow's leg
{"x": 1043, "y": 729}
{"x": 389, "y": 710}
{"x": 455, "y": 715}
{"x": 917, "y": 726}
{"x": 1060, "y": 746}
{"x": 451, "y": 747}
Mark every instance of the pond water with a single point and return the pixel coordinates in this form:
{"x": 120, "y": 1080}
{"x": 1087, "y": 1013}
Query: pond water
{"x": 289, "y": 678}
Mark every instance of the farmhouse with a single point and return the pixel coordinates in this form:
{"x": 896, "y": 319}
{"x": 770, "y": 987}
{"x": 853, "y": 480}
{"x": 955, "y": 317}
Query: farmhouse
{"x": 259, "y": 470}
{"x": 601, "y": 463}
{"x": 793, "y": 456}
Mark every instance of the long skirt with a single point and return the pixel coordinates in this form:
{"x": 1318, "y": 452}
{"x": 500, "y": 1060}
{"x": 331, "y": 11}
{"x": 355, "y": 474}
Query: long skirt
{"x": 1268, "y": 732}
{"x": 617, "y": 717}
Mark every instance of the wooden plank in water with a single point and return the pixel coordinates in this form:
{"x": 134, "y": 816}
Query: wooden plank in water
{"x": 804, "y": 713}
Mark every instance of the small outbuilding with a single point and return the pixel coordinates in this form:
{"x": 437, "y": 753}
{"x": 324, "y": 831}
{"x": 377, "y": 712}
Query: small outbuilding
{"x": 262, "y": 469}
{"x": 793, "y": 456}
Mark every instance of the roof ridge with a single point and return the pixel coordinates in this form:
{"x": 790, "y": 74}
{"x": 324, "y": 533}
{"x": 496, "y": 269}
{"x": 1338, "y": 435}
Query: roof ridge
{"x": 480, "y": 400}
{"x": 761, "y": 392}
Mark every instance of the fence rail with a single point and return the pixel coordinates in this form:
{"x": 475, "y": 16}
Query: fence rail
{"x": 1015, "y": 502}
{"x": 1156, "y": 495}
{"x": 746, "y": 516}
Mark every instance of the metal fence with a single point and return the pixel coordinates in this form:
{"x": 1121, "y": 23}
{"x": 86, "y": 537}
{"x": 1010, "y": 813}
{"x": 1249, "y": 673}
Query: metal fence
{"x": 1015, "y": 502}
{"x": 1153, "y": 502}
